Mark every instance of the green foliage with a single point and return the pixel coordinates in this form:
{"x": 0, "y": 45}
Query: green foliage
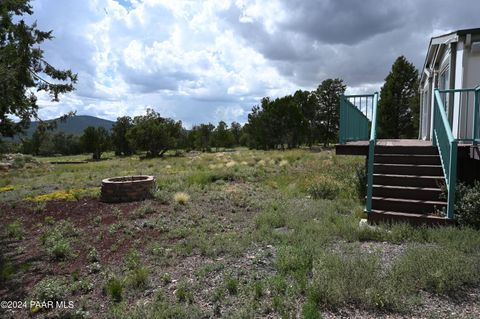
{"x": 222, "y": 137}
{"x": 95, "y": 140}
{"x": 231, "y": 284}
{"x": 114, "y": 289}
{"x": 467, "y": 205}
{"x": 398, "y": 107}
{"x": 15, "y": 230}
{"x": 153, "y": 133}
{"x": 57, "y": 240}
{"x": 184, "y": 293}
{"x": 50, "y": 289}
{"x": 121, "y": 144}
{"x": 324, "y": 188}
{"x": 328, "y": 95}
{"x": 23, "y": 69}
{"x": 433, "y": 269}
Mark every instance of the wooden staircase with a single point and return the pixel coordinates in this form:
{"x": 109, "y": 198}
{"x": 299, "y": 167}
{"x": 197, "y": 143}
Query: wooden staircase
{"x": 407, "y": 182}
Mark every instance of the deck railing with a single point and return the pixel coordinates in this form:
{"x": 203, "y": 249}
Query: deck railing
{"x": 465, "y": 126}
{"x": 355, "y": 114}
{"x": 447, "y": 148}
{"x": 358, "y": 122}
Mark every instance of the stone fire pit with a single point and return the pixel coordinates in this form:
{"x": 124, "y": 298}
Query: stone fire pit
{"x": 127, "y": 188}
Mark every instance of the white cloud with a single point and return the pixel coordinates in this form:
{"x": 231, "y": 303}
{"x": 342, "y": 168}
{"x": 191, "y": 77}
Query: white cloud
{"x": 201, "y": 61}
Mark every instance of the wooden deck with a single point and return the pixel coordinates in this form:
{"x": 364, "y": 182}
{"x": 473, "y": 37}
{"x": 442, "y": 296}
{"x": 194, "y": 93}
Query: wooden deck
{"x": 361, "y": 147}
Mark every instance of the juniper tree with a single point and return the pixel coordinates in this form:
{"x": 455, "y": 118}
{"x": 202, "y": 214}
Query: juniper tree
{"x": 398, "y": 106}
{"x": 23, "y": 70}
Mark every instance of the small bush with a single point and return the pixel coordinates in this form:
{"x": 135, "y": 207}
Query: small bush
{"x": 323, "y": 187}
{"x": 138, "y": 277}
{"x": 181, "y": 198}
{"x": 57, "y": 239}
{"x": 15, "y": 230}
{"x": 361, "y": 181}
{"x": 50, "y": 289}
{"x": 232, "y": 285}
{"x": 184, "y": 294}
{"x": 467, "y": 206}
{"x": 435, "y": 269}
{"x": 40, "y": 207}
{"x": 93, "y": 255}
{"x": 145, "y": 209}
{"x": 114, "y": 289}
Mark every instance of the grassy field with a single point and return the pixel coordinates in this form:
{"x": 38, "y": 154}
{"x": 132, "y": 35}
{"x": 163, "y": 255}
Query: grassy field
{"x": 241, "y": 234}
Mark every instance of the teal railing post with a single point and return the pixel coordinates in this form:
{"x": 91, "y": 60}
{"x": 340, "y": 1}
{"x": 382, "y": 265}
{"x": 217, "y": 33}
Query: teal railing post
{"x": 447, "y": 147}
{"x": 371, "y": 153}
{"x": 452, "y": 179}
{"x": 343, "y": 120}
{"x": 476, "y": 115}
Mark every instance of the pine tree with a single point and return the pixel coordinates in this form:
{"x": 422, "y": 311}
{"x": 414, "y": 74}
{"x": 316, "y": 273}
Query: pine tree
{"x": 398, "y": 106}
{"x": 328, "y": 98}
{"x": 23, "y": 69}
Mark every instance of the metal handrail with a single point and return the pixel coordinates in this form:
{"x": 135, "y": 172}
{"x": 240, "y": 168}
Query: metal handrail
{"x": 447, "y": 147}
{"x": 371, "y": 153}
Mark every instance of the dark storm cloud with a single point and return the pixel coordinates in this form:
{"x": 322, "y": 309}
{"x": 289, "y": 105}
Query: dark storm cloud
{"x": 354, "y": 40}
{"x": 345, "y": 21}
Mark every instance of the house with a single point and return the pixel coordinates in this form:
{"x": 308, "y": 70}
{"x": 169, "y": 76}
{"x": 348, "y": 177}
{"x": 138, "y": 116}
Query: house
{"x": 415, "y": 180}
{"x": 452, "y": 62}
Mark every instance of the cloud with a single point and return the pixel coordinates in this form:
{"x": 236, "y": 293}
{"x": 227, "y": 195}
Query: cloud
{"x": 204, "y": 61}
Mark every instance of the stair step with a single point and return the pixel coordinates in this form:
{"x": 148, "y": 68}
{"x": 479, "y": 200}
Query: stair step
{"x": 410, "y": 192}
{"x": 407, "y": 159}
{"x": 408, "y": 169}
{"x": 381, "y": 216}
{"x": 406, "y": 205}
{"x": 417, "y": 150}
{"x": 408, "y": 180}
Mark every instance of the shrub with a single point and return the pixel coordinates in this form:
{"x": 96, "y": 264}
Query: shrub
{"x": 323, "y": 187}
{"x": 184, "y": 294}
{"x": 181, "y": 198}
{"x": 439, "y": 270}
{"x": 93, "y": 255}
{"x": 138, "y": 277}
{"x": 361, "y": 181}
{"x": 114, "y": 289}
{"x": 467, "y": 206}
{"x": 50, "y": 289}
{"x": 144, "y": 209}
{"x": 57, "y": 239}
{"x": 15, "y": 230}
{"x": 232, "y": 285}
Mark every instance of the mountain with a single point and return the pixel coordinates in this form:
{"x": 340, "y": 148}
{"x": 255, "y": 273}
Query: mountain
{"x": 73, "y": 125}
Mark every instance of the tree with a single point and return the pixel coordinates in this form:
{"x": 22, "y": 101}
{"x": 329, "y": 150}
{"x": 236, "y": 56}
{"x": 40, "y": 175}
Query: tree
{"x": 120, "y": 142}
{"x": 398, "y": 106}
{"x": 95, "y": 140}
{"x": 23, "y": 69}
{"x": 222, "y": 137}
{"x": 328, "y": 98}
{"x": 202, "y": 136}
{"x": 307, "y": 102}
{"x": 236, "y": 130}
{"x": 154, "y": 134}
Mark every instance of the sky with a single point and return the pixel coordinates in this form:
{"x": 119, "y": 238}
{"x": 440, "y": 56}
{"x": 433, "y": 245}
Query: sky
{"x": 205, "y": 61}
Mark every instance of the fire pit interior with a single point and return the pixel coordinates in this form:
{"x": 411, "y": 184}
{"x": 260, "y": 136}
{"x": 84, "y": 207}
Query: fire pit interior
{"x": 127, "y": 188}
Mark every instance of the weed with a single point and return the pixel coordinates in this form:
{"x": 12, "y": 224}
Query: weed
{"x": 184, "y": 294}
{"x": 145, "y": 209}
{"x": 232, "y": 285}
{"x": 50, "y": 289}
{"x": 15, "y": 230}
{"x": 138, "y": 277}
{"x": 323, "y": 187}
{"x": 166, "y": 278}
{"x": 181, "y": 198}
{"x": 40, "y": 207}
{"x": 114, "y": 289}
{"x": 93, "y": 255}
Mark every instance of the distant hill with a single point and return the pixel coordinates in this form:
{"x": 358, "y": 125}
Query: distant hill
{"x": 74, "y": 125}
